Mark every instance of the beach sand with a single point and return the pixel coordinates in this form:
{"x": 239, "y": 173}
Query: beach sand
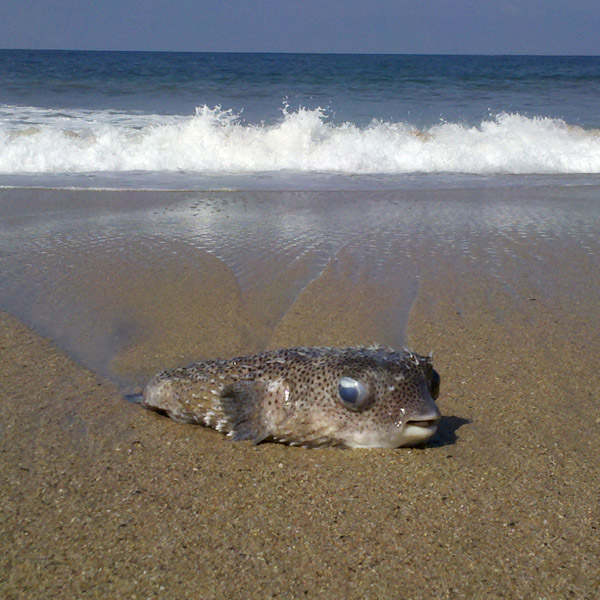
{"x": 101, "y": 499}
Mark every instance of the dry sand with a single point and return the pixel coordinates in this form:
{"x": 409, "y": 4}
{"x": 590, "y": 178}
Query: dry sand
{"x": 101, "y": 499}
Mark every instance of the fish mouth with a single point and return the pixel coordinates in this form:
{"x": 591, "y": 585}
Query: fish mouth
{"x": 411, "y": 433}
{"x": 419, "y": 430}
{"x": 424, "y": 423}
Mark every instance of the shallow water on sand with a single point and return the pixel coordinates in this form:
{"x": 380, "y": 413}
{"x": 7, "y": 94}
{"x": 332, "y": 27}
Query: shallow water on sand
{"x": 132, "y": 282}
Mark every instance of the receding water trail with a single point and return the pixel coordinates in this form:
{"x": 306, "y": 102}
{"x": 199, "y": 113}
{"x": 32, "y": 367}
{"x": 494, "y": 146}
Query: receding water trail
{"x": 130, "y": 283}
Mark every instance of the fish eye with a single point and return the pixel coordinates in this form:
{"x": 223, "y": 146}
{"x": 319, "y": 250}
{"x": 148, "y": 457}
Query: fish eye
{"x": 353, "y": 393}
{"x": 434, "y": 385}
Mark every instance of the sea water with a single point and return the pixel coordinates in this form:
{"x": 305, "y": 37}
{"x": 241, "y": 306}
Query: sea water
{"x": 145, "y": 120}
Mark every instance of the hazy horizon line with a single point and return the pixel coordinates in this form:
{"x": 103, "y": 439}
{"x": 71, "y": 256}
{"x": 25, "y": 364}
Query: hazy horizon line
{"x": 292, "y": 52}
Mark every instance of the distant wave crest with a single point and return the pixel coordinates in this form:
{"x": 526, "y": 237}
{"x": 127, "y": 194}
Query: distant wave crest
{"x": 218, "y": 141}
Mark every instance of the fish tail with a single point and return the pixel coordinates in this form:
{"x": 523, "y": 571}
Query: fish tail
{"x": 162, "y": 395}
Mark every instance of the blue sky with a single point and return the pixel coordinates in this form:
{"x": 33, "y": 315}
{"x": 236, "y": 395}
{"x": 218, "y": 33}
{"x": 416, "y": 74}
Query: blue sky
{"x": 401, "y": 26}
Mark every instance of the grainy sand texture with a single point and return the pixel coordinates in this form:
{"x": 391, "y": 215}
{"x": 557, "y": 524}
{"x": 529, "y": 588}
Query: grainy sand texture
{"x": 101, "y": 499}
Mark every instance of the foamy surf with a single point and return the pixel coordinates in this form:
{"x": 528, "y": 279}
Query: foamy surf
{"x": 305, "y": 141}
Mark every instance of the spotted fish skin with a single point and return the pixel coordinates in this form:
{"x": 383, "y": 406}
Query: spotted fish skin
{"x": 348, "y": 397}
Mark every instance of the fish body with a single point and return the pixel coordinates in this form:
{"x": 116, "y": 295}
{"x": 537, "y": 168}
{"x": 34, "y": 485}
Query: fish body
{"x": 349, "y": 397}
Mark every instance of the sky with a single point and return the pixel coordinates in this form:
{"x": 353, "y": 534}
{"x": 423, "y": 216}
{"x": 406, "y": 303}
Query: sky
{"x": 360, "y": 26}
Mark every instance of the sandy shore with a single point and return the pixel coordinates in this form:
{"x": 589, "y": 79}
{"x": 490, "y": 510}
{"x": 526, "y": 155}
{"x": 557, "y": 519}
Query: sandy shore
{"x": 102, "y": 499}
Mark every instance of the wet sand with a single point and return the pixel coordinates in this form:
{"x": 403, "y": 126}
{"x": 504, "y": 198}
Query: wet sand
{"x": 101, "y": 499}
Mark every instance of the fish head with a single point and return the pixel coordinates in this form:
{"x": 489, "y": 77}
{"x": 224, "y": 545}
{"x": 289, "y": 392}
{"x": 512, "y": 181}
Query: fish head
{"x": 381, "y": 398}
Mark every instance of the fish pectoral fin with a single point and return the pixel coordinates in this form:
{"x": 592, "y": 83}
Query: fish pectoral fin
{"x": 243, "y": 407}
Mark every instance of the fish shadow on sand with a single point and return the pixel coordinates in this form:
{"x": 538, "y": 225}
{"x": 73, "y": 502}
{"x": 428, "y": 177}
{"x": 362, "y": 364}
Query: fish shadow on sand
{"x": 446, "y": 433}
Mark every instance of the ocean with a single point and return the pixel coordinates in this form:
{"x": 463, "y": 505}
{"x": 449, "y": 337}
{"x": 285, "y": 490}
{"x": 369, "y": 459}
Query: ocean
{"x": 203, "y": 121}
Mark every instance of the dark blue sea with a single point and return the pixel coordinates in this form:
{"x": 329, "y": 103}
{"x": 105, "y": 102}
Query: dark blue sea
{"x": 146, "y": 120}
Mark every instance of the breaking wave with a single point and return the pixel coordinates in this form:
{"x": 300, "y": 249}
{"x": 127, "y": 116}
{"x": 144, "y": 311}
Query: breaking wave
{"x": 219, "y": 141}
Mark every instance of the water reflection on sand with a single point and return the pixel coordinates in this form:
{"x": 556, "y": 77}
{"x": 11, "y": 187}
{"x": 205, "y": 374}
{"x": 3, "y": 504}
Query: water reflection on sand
{"x": 130, "y": 282}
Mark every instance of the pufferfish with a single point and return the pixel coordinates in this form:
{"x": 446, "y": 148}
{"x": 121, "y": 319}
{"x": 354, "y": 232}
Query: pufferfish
{"x": 355, "y": 397}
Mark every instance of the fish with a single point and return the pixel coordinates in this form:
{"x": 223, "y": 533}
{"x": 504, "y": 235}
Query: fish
{"x": 352, "y": 397}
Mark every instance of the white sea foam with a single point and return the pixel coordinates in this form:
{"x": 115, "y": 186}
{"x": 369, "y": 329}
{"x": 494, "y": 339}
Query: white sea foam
{"x": 219, "y": 141}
